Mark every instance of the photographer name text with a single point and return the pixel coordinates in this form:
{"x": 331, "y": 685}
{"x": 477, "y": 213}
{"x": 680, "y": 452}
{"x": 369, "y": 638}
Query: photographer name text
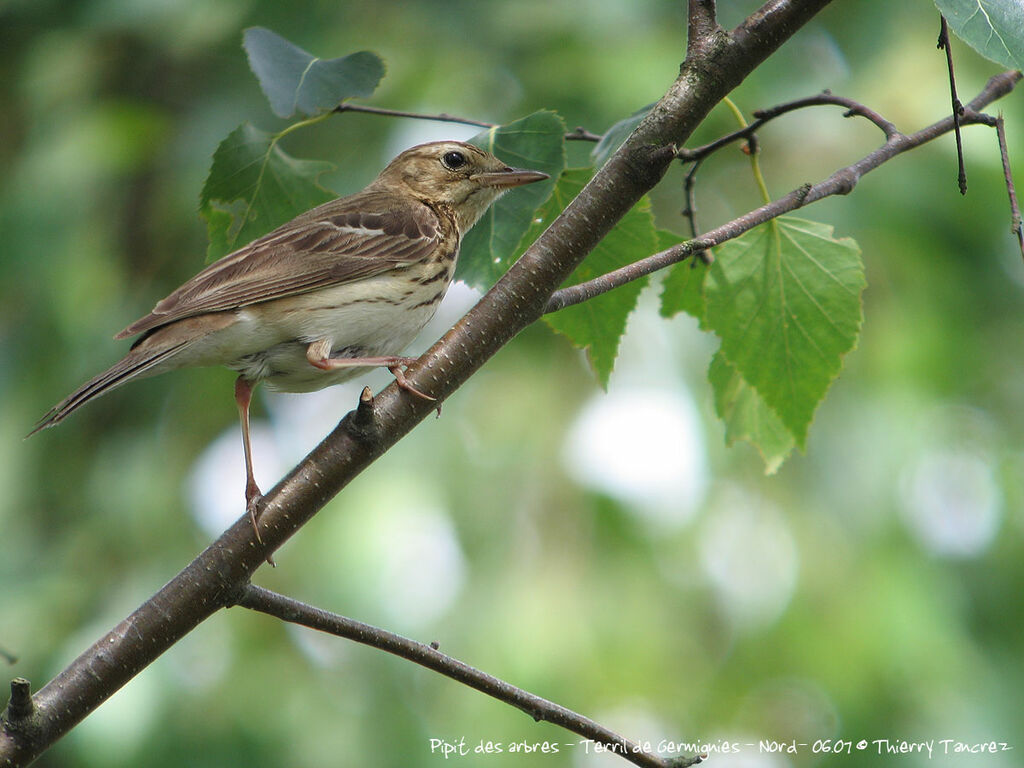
{"x": 462, "y": 747}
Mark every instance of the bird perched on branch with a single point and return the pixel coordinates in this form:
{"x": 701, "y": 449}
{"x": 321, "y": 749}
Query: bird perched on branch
{"x": 346, "y": 285}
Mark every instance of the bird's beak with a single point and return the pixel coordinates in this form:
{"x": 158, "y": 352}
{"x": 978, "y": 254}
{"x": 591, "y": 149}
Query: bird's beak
{"x": 508, "y": 177}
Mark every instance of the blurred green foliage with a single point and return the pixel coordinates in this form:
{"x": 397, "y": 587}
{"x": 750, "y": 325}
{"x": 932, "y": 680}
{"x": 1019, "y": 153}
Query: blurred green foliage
{"x": 867, "y": 591}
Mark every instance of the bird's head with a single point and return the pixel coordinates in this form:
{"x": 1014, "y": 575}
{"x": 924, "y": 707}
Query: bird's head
{"x": 458, "y": 176}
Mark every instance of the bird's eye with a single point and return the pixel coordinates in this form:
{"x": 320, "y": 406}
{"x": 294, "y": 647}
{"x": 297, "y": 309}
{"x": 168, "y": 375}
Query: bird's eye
{"x": 453, "y": 160}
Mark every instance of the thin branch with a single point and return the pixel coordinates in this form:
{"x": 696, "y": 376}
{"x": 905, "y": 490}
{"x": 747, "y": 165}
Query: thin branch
{"x": 841, "y": 182}
{"x": 287, "y": 609}
{"x": 853, "y": 109}
{"x": 690, "y": 211}
{"x": 958, "y": 108}
{"x": 690, "y": 191}
{"x": 443, "y": 117}
{"x": 1016, "y": 226}
{"x": 578, "y": 134}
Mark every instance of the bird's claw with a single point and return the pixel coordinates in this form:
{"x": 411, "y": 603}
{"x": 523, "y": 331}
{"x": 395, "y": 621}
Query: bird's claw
{"x": 403, "y": 383}
{"x": 253, "y": 497}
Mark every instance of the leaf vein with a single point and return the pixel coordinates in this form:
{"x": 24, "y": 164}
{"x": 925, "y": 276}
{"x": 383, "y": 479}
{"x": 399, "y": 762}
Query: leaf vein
{"x": 302, "y": 79}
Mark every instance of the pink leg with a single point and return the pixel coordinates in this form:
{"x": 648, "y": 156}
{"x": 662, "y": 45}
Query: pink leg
{"x": 319, "y": 355}
{"x": 243, "y": 396}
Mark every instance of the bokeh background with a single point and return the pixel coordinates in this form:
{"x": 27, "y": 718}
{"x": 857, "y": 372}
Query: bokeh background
{"x": 602, "y": 549}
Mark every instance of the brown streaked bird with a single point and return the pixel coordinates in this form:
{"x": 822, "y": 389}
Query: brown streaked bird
{"x": 346, "y": 285}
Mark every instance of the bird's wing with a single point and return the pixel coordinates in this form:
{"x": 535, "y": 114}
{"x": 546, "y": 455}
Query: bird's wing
{"x": 347, "y": 239}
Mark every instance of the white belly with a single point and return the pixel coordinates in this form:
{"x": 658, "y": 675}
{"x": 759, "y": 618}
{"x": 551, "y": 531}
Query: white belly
{"x": 364, "y": 319}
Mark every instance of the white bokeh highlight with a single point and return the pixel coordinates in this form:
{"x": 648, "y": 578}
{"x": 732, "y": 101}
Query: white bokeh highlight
{"x": 216, "y": 482}
{"x": 951, "y": 502}
{"x": 749, "y": 557}
{"x": 642, "y": 443}
{"x": 643, "y": 447}
{"x": 418, "y": 562}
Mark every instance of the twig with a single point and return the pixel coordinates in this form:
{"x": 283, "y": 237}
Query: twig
{"x": 958, "y": 108}
{"x": 690, "y": 211}
{"x": 690, "y": 190}
{"x": 1015, "y": 217}
{"x": 347, "y": 106}
{"x": 578, "y": 134}
{"x": 841, "y": 182}
{"x": 287, "y": 609}
{"x": 853, "y": 109}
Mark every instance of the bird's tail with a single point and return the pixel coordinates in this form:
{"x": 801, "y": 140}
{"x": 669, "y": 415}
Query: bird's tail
{"x": 133, "y": 365}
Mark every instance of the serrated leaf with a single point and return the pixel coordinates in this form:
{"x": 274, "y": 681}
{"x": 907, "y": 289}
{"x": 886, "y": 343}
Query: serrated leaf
{"x": 615, "y": 135}
{"x": 296, "y": 81}
{"x": 746, "y": 416}
{"x": 597, "y": 325}
{"x": 254, "y": 186}
{"x": 994, "y": 28}
{"x": 536, "y": 141}
{"x": 682, "y": 290}
{"x": 785, "y": 300}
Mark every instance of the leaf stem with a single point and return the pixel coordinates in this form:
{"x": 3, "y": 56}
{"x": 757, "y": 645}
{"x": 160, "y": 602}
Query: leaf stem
{"x": 300, "y": 124}
{"x": 752, "y": 149}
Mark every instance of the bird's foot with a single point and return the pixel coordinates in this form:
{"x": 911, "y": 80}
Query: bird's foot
{"x": 403, "y": 383}
{"x": 253, "y": 497}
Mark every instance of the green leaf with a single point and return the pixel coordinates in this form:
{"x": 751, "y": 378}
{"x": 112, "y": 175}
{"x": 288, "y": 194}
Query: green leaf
{"x": 747, "y": 416}
{"x": 994, "y": 28}
{"x": 785, "y": 300}
{"x": 597, "y": 325}
{"x": 615, "y": 135}
{"x": 536, "y": 141}
{"x": 253, "y": 186}
{"x": 682, "y": 290}
{"x": 294, "y": 80}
